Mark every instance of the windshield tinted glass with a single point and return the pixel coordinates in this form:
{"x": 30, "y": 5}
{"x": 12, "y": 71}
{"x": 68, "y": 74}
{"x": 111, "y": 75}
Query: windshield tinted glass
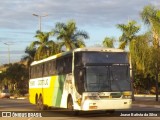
{"x": 97, "y": 78}
{"x": 104, "y": 57}
{"x": 107, "y": 78}
{"x": 83, "y": 58}
{"x": 119, "y": 76}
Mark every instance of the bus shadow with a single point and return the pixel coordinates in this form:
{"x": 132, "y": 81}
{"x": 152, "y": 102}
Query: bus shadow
{"x": 67, "y": 113}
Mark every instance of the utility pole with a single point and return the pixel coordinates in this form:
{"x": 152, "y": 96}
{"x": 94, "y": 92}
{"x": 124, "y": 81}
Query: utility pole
{"x": 40, "y": 17}
{"x": 8, "y": 44}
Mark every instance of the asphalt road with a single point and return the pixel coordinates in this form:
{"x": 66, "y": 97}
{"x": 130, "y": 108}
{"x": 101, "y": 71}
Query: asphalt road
{"x": 23, "y": 108}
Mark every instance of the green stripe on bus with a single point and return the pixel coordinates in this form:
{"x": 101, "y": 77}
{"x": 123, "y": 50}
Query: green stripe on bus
{"x": 59, "y": 91}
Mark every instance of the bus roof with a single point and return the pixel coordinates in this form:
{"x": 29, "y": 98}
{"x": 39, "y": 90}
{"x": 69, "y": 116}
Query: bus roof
{"x": 99, "y": 49}
{"x": 51, "y": 57}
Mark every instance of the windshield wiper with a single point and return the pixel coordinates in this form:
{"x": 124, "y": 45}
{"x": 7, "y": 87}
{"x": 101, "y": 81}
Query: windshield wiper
{"x": 106, "y": 84}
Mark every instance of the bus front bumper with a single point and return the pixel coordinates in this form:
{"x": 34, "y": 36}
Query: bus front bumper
{"x": 113, "y": 104}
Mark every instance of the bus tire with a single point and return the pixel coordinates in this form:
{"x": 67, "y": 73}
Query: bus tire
{"x": 70, "y": 104}
{"x": 36, "y": 101}
{"x": 71, "y": 108}
{"x": 40, "y": 104}
{"x": 110, "y": 111}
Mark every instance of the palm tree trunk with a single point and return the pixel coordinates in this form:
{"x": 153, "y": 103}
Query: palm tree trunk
{"x": 132, "y": 78}
{"x": 155, "y": 41}
{"x": 156, "y": 83}
{"x": 157, "y": 71}
{"x": 69, "y": 45}
{"x": 131, "y": 73}
{"x": 156, "y": 46}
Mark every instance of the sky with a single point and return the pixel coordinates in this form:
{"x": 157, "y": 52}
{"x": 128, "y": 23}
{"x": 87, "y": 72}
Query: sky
{"x": 97, "y": 17}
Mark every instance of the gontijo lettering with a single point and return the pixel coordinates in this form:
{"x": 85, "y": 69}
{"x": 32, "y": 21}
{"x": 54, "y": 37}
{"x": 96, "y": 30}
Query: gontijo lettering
{"x": 43, "y": 82}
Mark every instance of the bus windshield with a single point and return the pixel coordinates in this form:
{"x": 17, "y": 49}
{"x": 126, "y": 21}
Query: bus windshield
{"x": 101, "y": 71}
{"x": 107, "y": 78}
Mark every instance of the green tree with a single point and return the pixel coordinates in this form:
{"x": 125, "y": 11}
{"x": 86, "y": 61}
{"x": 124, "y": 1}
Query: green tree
{"x": 45, "y": 47}
{"x": 140, "y": 50}
{"x": 69, "y": 36}
{"x": 141, "y": 59}
{"x": 2, "y": 82}
{"x": 108, "y": 42}
{"x": 16, "y": 76}
{"x": 30, "y": 54}
{"x": 128, "y": 35}
{"x": 151, "y": 16}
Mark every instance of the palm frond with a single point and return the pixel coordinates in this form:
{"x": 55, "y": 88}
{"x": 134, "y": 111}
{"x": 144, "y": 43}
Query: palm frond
{"x": 147, "y": 13}
{"x": 80, "y": 34}
{"x": 79, "y": 44}
{"x": 108, "y": 42}
{"x": 34, "y": 44}
{"x": 68, "y": 34}
{"x": 123, "y": 45}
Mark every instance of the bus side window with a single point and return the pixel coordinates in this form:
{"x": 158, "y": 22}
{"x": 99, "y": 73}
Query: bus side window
{"x": 46, "y": 69}
{"x": 52, "y": 67}
{"x": 39, "y": 70}
{"x": 59, "y": 66}
{"x": 32, "y": 72}
{"x": 35, "y": 71}
{"x": 78, "y": 59}
{"x": 67, "y": 65}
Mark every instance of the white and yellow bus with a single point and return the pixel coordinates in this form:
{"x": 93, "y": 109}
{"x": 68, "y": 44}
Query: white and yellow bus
{"x": 84, "y": 79}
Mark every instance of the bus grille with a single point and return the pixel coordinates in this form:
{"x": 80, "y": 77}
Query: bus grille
{"x": 104, "y": 97}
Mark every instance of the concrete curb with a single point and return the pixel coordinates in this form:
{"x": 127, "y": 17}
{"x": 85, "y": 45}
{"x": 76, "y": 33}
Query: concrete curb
{"x": 142, "y": 105}
{"x": 20, "y": 98}
{"x": 143, "y": 95}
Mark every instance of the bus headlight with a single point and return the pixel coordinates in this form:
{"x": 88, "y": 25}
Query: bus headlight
{"x": 127, "y": 95}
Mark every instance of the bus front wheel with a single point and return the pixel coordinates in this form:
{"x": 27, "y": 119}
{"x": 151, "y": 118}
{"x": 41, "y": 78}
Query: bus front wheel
{"x": 71, "y": 108}
{"x": 70, "y": 103}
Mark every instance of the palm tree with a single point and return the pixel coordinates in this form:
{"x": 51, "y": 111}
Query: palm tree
{"x": 141, "y": 60}
{"x": 151, "y": 16}
{"x": 45, "y": 47}
{"x": 128, "y": 35}
{"x": 140, "y": 49}
{"x": 69, "y": 36}
{"x": 79, "y": 44}
{"x": 30, "y": 55}
{"x": 108, "y": 42}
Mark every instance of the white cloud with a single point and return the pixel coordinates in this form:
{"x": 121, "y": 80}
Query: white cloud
{"x": 19, "y": 13}
{"x": 17, "y": 18}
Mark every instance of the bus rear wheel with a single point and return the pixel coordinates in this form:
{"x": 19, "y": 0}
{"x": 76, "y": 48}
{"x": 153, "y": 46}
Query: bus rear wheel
{"x": 40, "y": 104}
